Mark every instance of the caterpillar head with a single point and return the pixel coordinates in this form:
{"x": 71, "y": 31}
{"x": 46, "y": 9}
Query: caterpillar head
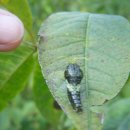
{"x": 73, "y": 74}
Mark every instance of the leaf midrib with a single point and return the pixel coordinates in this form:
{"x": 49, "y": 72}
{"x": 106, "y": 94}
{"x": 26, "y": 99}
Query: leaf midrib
{"x": 16, "y": 70}
{"x": 86, "y": 54}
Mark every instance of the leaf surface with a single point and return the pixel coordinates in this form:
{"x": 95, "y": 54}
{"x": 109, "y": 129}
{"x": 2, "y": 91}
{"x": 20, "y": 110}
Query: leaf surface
{"x": 100, "y": 45}
{"x": 43, "y": 98}
{"x": 15, "y": 69}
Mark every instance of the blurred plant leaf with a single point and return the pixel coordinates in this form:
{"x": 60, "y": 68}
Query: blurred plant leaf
{"x": 4, "y": 1}
{"x": 125, "y": 125}
{"x": 43, "y": 98}
{"x": 100, "y": 44}
{"x": 15, "y": 68}
{"x": 4, "y": 122}
{"x": 126, "y": 89}
{"x": 21, "y": 9}
{"x": 118, "y": 116}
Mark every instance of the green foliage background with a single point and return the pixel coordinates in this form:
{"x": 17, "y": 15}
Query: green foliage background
{"x": 32, "y": 95}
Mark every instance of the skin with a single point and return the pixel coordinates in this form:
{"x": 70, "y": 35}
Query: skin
{"x": 11, "y": 31}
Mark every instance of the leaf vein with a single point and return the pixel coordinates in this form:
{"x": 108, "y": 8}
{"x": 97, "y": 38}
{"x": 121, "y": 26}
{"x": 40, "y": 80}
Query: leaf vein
{"x": 11, "y": 74}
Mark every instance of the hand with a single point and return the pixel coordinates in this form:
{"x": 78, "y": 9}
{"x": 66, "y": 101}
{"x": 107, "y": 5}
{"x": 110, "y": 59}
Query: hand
{"x": 11, "y": 31}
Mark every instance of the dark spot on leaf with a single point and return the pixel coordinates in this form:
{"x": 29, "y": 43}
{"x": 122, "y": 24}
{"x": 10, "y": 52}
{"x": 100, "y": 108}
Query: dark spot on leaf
{"x": 102, "y": 60}
{"x": 56, "y": 105}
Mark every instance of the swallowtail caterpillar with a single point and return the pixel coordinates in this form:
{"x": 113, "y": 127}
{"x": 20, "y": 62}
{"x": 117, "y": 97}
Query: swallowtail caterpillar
{"x": 73, "y": 75}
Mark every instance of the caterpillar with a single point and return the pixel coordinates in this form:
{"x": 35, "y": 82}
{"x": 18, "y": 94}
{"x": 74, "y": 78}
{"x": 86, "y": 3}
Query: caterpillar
{"x": 73, "y": 75}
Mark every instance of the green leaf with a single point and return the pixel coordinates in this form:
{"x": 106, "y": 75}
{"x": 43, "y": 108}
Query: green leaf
{"x": 21, "y": 9}
{"x": 126, "y": 89}
{"x": 43, "y": 98}
{"x": 118, "y": 116}
{"x": 100, "y": 45}
{"x": 4, "y": 1}
{"x": 125, "y": 125}
{"x": 15, "y": 68}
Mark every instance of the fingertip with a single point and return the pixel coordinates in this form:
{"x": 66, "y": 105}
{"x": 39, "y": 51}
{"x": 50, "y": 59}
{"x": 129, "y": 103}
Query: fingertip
{"x": 11, "y": 31}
